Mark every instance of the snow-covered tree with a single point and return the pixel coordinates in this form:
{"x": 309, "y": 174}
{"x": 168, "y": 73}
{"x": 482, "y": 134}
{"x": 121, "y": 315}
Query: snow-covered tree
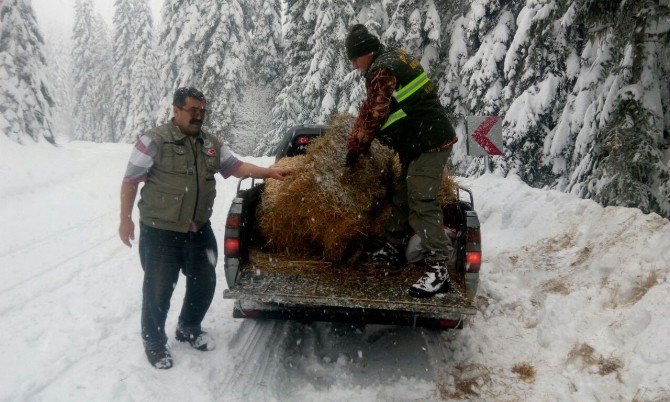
{"x": 536, "y": 85}
{"x": 144, "y": 72}
{"x": 92, "y": 63}
{"x": 266, "y": 42}
{"x": 323, "y": 84}
{"x": 58, "y": 52}
{"x": 136, "y": 86}
{"x": 180, "y": 50}
{"x": 224, "y": 71}
{"x": 205, "y": 45}
{"x": 372, "y": 14}
{"x": 25, "y": 100}
{"x": 627, "y": 160}
{"x": 123, "y": 53}
{"x": 288, "y": 109}
{"x": 581, "y": 84}
{"x": 415, "y": 25}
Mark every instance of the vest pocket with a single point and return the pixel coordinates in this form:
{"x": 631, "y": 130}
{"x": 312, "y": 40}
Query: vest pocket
{"x": 163, "y": 206}
{"x": 178, "y": 158}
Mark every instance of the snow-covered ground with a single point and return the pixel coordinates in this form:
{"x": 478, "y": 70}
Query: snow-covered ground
{"x": 573, "y": 305}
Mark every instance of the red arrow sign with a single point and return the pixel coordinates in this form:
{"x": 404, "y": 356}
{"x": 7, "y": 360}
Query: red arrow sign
{"x": 481, "y": 133}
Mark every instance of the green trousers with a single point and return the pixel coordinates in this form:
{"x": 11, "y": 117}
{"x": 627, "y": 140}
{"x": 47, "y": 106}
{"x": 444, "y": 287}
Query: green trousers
{"x": 416, "y": 206}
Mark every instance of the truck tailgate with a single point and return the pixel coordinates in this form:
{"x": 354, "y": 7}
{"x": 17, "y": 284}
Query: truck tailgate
{"x": 273, "y": 278}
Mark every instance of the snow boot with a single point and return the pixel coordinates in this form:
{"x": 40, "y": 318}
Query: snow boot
{"x": 159, "y": 358}
{"x": 435, "y": 278}
{"x": 198, "y": 339}
{"x": 389, "y": 258}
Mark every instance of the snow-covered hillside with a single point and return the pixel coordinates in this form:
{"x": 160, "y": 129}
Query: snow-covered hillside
{"x": 573, "y": 305}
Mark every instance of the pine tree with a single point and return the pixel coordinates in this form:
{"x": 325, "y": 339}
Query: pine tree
{"x": 266, "y": 42}
{"x": 180, "y": 46}
{"x": 102, "y": 88}
{"x": 123, "y": 53}
{"x": 415, "y": 26}
{"x": 628, "y": 159}
{"x": 288, "y": 109}
{"x": 92, "y": 63}
{"x": 25, "y": 100}
{"x": 224, "y": 72}
{"x": 536, "y": 87}
{"x": 472, "y": 76}
{"x": 135, "y": 68}
{"x": 58, "y": 50}
{"x": 373, "y": 15}
{"x": 323, "y": 84}
{"x": 628, "y": 167}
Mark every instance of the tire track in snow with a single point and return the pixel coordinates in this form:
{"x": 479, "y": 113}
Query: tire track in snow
{"x": 64, "y": 278}
{"x": 41, "y": 240}
{"x": 258, "y": 349}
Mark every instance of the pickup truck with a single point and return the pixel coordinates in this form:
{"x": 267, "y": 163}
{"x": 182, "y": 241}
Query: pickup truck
{"x": 270, "y": 284}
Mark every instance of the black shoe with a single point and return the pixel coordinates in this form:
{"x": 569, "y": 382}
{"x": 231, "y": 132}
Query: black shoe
{"x": 198, "y": 339}
{"x": 389, "y": 258}
{"x": 433, "y": 280}
{"x": 159, "y": 358}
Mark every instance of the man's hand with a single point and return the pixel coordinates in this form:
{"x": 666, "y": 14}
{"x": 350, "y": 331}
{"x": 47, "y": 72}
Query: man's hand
{"x": 279, "y": 173}
{"x": 351, "y": 159}
{"x": 127, "y": 231}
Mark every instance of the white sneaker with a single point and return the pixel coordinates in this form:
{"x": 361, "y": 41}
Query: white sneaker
{"x": 435, "y": 278}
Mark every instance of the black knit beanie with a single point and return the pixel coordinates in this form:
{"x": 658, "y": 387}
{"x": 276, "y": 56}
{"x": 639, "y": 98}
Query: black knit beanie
{"x": 360, "y": 42}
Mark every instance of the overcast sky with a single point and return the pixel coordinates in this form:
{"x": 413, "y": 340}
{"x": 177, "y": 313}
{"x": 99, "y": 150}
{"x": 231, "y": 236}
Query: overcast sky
{"x": 61, "y": 12}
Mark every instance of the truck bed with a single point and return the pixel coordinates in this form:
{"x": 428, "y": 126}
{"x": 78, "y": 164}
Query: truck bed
{"x": 279, "y": 279}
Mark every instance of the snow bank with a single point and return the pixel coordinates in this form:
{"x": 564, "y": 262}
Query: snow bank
{"x": 576, "y": 290}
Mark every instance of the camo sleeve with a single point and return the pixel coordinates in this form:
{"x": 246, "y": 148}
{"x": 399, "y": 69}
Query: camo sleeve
{"x": 374, "y": 111}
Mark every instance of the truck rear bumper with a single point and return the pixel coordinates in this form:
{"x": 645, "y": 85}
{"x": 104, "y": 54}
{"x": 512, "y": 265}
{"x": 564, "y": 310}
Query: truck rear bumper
{"x": 250, "y": 309}
{"x": 271, "y": 287}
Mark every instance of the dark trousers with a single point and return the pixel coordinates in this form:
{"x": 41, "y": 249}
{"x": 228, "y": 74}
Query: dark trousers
{"x": 163, "y": 253}
{"x": 416, "y": 205}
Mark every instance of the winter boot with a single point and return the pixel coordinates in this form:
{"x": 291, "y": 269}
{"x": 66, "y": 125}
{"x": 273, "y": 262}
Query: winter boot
{"x": 159, "y": 358}
{"x": 389, "y": 258}
{"x": 198, "y": 339}
{"x": 435, "y": 278}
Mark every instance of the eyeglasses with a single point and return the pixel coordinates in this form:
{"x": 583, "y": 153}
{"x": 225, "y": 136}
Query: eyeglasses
{"x": 195, "y": 111}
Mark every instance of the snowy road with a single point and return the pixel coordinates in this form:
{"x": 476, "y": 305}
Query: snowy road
{"x": 573, "y": 305}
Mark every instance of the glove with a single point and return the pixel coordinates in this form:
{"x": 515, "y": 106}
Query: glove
{"x": 351, "y": 159}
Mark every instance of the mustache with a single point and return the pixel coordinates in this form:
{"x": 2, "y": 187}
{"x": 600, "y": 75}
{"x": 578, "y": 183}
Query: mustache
{"x": 196, "y": 122}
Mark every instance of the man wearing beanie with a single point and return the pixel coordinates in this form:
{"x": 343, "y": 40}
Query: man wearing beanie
{"x": 402, "y": 111}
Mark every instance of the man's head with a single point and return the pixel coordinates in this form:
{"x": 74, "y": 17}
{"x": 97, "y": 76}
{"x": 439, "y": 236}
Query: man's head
{"x": 188, "y": 108}
{"x": 361, "y": 46}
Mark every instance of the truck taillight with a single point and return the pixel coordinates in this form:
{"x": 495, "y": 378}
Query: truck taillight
{"x": 231, "y": 247}
{"x": 473, "y": 261}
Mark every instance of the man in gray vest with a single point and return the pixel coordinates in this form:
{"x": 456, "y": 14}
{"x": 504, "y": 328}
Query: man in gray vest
{"x": 402, "y": 111}
{"x": 177, "y": 163}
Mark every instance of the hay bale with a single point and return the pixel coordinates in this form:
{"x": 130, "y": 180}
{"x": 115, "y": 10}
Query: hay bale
{"x": 326, "y": 206}
{"x": 448, "y": 190}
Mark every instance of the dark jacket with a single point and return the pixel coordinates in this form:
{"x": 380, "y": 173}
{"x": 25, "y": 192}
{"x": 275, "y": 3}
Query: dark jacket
{"x": 417, "y": 121}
